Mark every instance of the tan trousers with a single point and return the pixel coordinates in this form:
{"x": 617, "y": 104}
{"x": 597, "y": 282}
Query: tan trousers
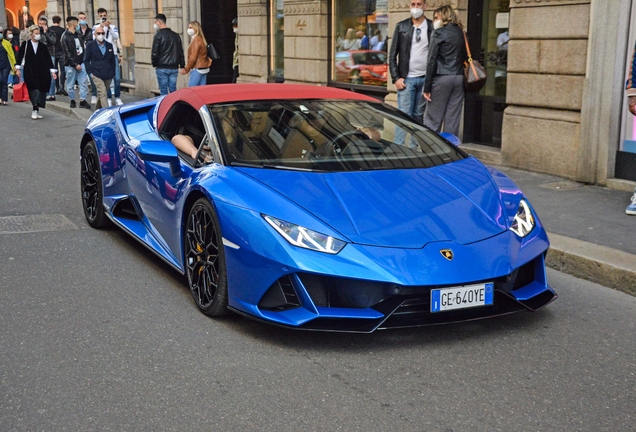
{"x": 102, "y": 92}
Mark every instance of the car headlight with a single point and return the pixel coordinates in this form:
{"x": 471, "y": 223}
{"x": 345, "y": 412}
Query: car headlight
{"x": 305, "y": 238}
{"x": 523, "y": 223}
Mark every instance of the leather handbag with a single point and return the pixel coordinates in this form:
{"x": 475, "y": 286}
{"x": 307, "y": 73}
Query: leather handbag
{"x": 212, "y": 53}
{"x": 474, "y": 73}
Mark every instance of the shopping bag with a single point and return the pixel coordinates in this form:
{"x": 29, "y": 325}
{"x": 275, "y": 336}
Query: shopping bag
{"x": 20, "y": 92}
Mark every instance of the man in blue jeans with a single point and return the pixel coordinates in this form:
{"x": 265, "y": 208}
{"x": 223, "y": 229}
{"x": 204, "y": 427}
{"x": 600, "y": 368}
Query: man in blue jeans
{"x": 408, "y": 60}
{"x": 167, "y": 56}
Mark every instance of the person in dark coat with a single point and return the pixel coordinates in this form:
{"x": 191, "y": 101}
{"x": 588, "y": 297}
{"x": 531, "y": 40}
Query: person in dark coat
{"x": 37, "y": 70}
{"x": 99, "y": 59}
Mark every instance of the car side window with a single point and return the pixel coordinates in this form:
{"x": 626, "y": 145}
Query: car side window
{"x": 184, "y": 128}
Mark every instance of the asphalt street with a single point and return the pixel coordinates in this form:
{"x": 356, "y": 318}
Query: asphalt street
{"x": 98, "y": 334}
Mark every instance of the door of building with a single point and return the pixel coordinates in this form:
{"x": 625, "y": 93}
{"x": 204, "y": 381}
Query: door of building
{"x": 216, "y": 20}
{"x": 488, "y": 39}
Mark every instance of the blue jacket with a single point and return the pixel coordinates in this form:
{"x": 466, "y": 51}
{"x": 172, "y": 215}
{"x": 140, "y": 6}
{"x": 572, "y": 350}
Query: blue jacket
{"x": 631, "y": 77}
{"x": 100, "y": 65}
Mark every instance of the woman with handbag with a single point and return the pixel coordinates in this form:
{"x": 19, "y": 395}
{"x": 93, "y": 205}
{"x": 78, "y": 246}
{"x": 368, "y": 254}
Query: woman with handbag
{"x": 444, "y": 85}
{"x": 35, "y": 65}
{"x": 198, "y": 61}
{"x": 7, "y": 64}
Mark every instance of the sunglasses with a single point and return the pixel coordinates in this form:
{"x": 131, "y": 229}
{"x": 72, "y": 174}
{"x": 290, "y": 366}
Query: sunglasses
{"x": 99, "y": 33}
{"x": 418, "y": 35}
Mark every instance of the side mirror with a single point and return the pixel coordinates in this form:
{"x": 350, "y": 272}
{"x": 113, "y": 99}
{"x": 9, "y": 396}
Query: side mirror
{"x": 160, "y": 151}
{"x": 451, "y": 138}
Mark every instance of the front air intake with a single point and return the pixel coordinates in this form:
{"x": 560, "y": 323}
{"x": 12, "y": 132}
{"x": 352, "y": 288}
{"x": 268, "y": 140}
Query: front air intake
{"x": 280, "y": 296}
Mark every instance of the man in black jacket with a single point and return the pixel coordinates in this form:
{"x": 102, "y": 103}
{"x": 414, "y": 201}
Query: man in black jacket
{"x": 48, "y": 38}
{"x": 99, "y": 60}
{"x": 73, "y": 47}
{"x": 167, "y": 55}
{"x": 407, "y": 61}
{"x": 59, "y": 54}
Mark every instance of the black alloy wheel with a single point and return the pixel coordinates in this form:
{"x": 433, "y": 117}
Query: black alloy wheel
{"x": 205, "y": 259}
{"x": 91, "y": 185}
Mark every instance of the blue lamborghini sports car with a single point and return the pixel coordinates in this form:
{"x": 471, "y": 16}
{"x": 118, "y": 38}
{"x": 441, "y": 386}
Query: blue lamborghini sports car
{"x": 313, "y": 208}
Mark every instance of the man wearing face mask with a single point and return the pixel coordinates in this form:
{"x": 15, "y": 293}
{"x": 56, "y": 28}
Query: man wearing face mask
{"x": 167, "y": 55}
{"x": 111, "y": 34}
{"x": 99, "y": 60}
{"x": 408, "y": 59}
{"x": 74, "y": 63}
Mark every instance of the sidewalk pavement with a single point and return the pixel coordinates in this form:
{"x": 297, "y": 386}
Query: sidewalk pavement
{"x": 591, "y": 236}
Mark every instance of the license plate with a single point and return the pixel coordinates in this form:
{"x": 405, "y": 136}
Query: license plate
{"x": 462, "y": 297}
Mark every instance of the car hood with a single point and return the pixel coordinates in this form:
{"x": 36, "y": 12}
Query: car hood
{"x": 397, "y": 208}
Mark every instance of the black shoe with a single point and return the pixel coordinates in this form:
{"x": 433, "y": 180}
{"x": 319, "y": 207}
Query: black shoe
{"x": 73, "y": 105}
{"x": 84, "y": 104}
{"x": 50, "y": 98}
{"x": 64, "y": 92}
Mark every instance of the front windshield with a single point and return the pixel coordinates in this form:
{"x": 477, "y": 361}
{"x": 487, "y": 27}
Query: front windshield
{"x": 326, "y": 135}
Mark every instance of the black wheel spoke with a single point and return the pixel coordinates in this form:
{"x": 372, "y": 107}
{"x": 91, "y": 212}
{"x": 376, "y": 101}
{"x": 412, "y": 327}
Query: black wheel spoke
{"x": 202, "y": 256}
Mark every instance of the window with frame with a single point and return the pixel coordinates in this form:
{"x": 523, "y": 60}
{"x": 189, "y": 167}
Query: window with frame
{"x": 277, "y": 40}
{"x": 359, "y": 42}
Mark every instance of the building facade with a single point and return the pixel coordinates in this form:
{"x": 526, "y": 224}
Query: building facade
{"x": 553, "y": 103}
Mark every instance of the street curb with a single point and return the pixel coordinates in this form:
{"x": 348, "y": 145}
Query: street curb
{"x": 599, "y": 264}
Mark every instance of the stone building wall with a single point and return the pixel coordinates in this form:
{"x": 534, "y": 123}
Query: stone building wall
{"x": 253, "y": 41}
{"x": 547, "y": 61}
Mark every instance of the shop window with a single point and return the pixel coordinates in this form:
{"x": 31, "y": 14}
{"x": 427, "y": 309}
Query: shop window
{"x": 359, "y": 42}
{"x": 277, "y": 40}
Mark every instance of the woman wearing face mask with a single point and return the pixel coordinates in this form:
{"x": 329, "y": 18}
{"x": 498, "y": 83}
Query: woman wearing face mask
{"x": 444, "y": 87}
{"x": 35, "y": 65}
{"x": 10, "y": 35}
{"x": 198, "y": 61}
{"x": 7, "y": 64}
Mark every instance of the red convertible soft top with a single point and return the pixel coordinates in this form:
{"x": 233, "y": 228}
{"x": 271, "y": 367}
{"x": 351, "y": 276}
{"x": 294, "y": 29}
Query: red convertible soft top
{"x": 224, "y": 93}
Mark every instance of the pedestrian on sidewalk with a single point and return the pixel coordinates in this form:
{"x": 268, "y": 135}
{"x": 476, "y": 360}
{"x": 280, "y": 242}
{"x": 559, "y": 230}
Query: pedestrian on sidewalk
{"x": 58, "y": 63}
{"x": 73, "y": 63}
{"x": 99, "y": 60}
{"x": 34, "y": 63}
{"x": 408, "y": 57}
{"x": 7, "y": 66}
{"x": 235, "y": 56}
{"x": 167, "y": 55}
{"x": 198, "y": 61}
{"x": 111, "y": 34}
{"x": 630, "y": 87}
{"x": 444, "y": 88}
{"x": 48, "y": 38}
{"x": 15, "y": 44}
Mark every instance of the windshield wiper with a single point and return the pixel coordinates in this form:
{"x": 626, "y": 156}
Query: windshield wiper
{"x": 268, "y": 166}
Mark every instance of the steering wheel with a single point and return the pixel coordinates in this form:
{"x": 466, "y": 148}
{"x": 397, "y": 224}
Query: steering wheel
{"x": 332, "y": 145}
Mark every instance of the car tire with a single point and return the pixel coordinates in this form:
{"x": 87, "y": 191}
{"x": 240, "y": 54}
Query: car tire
{"x": 92, "y": 188}
{"x": 205, "y": 259}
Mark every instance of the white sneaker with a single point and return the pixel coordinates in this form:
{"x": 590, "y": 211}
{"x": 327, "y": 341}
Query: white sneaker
{"x": 631, "y": 209}
{"x": 34, "y": 115}
{"x": 110, "y": 182}
{"x": 118, "y": 101}
{"x": 110, "y": 103}
{"x": 93, "y": 100}
{"x": 38, "y": 114}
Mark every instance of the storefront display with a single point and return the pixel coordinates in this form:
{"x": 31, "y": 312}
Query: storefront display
{"x": 359, "y": 41}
